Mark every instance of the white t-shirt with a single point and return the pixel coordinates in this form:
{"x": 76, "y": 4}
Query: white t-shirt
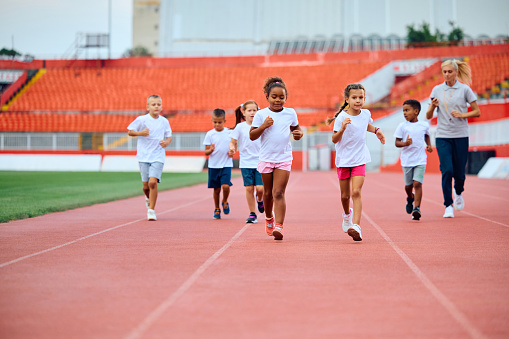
{"x": 148, "y": 149}
{"x": 249, "y": 149}
{"x": 351, "y": 150}
{"x": 275, "y": 140}
{"x": 221, "y": 140}
{"x": 414, "y": 154}
{"x": 455, "y": 97}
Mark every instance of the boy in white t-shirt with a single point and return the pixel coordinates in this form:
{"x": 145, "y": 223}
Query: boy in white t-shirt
{"x": 413, "y": 136}
{"x": 154, "y": 135}
{"x": 217, "y": 142}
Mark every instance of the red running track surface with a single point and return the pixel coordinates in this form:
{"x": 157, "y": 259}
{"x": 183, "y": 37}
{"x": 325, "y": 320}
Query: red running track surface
{"x": 105, "y": 272}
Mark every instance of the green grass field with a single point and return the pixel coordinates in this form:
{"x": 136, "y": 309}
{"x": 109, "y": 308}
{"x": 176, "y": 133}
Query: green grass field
{"x": 30, "y": 194}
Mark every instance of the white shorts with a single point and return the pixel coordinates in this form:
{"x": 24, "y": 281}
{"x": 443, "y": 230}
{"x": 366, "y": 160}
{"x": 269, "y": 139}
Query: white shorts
{"x": 151, "y": 169}
{"x": 412, "y": 174}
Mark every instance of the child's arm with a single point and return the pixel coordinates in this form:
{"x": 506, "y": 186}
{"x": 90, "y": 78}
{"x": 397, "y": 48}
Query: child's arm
{"x": 400, "y": 143}
{"x": 378, "y": 132}
{"x": 233, "y": 147}
{"x": 336, "y": 136}
{"x": 143, "y": 133}
{"x": 165, "y": 143}
{"x": 209, "y": 149}
{"x": 296, "y": 132}
{"x": 255, "y": 132}
{"x": 428, "y": 143}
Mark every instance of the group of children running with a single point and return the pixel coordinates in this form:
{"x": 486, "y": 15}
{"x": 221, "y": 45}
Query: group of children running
{"x": 262, "y": 137}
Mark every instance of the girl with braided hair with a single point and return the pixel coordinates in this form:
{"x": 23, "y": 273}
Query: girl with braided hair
{"x": 352, "y": 154}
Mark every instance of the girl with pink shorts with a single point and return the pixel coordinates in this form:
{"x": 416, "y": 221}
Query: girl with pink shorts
{"x": 352, "y": 154}
{"x": 274, "y": 125}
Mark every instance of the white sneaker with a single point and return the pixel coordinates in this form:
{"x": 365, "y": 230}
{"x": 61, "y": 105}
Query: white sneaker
{"x": 151, "y": 215}
{"x": 347, "y": 221}
{"x": 459, "y": 203}
{"x": 355, "y": 232}
{"x": 449, "y": 212}
{"x": 147, "y": 202}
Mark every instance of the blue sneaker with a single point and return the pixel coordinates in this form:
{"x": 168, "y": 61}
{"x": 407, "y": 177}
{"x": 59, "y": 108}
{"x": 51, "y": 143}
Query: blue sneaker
{"x": 226, "y": 208}
{"x": 217, "y": 213}
{"x": 261, "y": 209}
{"x": 410, "y": 204}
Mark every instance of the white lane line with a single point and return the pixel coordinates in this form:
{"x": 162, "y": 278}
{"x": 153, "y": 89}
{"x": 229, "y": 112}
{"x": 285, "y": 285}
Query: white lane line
{"x": 156, "y": 314}
{"x": 94, "y": 234}
{"x": 442, "y": 299}
{"x": 439, "y": 204}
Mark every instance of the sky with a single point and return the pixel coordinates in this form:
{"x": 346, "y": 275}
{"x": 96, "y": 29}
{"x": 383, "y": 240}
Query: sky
{"x": 46, "y": 29}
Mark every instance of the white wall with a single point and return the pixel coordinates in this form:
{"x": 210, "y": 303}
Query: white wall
{"x": 224, "y": 27}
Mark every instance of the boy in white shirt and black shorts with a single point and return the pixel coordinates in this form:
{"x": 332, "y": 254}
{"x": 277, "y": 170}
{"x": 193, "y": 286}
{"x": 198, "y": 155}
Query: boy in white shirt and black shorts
{"x": 413, "y": 136}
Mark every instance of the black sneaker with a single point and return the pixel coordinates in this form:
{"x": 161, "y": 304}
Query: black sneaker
{"x": 416, "y": 213}
{"x": 410, "y": 204}
{"x": 251, "y": 219}
{"x": 261, "y": 208}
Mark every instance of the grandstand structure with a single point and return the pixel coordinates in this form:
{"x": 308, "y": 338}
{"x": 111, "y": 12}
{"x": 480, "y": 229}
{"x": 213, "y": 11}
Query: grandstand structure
{"x": 85, "y": 106}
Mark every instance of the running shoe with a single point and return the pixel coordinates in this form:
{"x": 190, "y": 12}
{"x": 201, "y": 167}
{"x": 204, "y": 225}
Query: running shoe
{"x": 278, "y": 232}
{"x": 410, "y": 204}
{"x": 151, "y": 215}
{"x": 217, "y": 213}
{"x": 416, "y": 213}
{"x": 449, "y": 212}
{"x": 347, "y": 220}
{"x": 252, "y": 218}
{"x": 226, "y": 208}
{"x": 261, "y": 209}
{"x": 355, "y": 232}
{"x": 269, "y": 225}
{"x": 459, "y": 203}
{"x": 147, "y": 202}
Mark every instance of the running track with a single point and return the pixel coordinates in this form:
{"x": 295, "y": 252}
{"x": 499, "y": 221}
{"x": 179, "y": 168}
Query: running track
{"x": 105, "y": 272}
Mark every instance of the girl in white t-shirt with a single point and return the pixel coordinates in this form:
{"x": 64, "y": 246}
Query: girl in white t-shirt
{"x": 274, "y": 125}
{"x": 352, "y": 154}
{"x": 249, "y": 153}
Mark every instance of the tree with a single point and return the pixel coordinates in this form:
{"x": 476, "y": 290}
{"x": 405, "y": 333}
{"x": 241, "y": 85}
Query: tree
{"x": 136, "y": 52}
{"x": 423, "y": 34}
{"x": 456, "y": 33}
{"x": 9, "y": 52}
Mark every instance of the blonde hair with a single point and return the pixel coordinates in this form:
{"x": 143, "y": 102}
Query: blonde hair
{"x": 347, "y": 94}
{"x": 463, "y": 69}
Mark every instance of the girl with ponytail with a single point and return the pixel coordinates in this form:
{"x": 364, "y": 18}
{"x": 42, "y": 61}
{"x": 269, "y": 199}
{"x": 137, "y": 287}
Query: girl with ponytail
{"x": 352, "y": 154}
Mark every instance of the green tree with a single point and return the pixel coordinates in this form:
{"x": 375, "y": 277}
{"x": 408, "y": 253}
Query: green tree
{"x": 456, "y": 33}
{"x": 9, "y": 52}
{"x": 418, "y": 35}
{"x": 136, "y": 52}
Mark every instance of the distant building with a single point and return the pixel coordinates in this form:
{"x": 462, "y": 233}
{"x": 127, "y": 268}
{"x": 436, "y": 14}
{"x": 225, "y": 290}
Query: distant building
{"x": 247, "y": 27}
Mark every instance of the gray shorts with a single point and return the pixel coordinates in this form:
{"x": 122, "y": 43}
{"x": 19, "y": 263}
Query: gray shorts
{"x": 412, "y": 174}
{"x": 151, "y": 169}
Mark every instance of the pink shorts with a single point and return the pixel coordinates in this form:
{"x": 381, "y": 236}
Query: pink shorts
{"x": 348, "y": 172}
{"x": 269, "y": 167}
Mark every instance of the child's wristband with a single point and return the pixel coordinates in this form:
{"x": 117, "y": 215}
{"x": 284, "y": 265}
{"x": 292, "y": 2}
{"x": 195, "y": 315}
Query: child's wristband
{"x": 376, "y": 129}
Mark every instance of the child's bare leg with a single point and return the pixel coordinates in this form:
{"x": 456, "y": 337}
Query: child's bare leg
{"x": 226, "y": 192}
{"x": 152, "y": 185}
{"x": 418, "y": 193}
{"x": 357, "y": 183}
{"x": 409, "y": 190}
{"x": 344, "y": 186}
{"x": 250, "y": 198}
{"x": 259, "y": 192}
{"x": 281, "y": 178}
{"x": 216, "y": 193}
{"x": 146, "y": 190}
{"x": 268, "y": 200}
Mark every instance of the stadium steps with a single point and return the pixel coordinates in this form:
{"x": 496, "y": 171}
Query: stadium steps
{"x": 24, "y": 88}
